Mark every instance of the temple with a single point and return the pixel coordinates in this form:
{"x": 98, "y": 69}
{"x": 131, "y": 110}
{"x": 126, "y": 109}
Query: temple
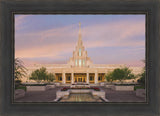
{"x": 80, "y": 68}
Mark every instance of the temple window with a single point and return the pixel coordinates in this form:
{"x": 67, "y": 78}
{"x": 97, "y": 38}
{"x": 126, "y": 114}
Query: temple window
{"x": 100, "y": 78}
{"x": 83, "y": 62}
{"x": 79, "y": 51}
{"x": 91, "y": 78}
{"x": 79, "y": 62}
{"x": 60, "y": 78}
{"x": 68, "y": 78}
{"x": 76, "y": 62}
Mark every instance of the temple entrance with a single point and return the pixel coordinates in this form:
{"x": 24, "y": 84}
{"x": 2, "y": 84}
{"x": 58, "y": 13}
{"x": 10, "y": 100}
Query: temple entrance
{"x": 80, "y": 77}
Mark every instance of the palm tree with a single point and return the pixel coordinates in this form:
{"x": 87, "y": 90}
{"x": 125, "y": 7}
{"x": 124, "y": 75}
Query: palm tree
{"x": 19, "y": 69}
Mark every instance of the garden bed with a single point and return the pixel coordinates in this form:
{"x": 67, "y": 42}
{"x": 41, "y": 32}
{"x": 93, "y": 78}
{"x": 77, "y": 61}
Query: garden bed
{"x": 21, "y": 87}
{"x": 138, "y": 87}
{"x": 35, "y": 84}
{"x": 36, "y": 88}
{"x": 80, "y": 88}
{"x": 124, "y": 87}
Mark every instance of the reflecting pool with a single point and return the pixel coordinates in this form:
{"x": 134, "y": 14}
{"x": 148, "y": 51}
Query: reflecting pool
{"x": 81, "y": 97}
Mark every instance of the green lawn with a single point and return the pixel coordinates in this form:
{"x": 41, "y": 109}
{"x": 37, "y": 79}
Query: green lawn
{"x": 138, "y": 87}
{"x": 21, "y": 87}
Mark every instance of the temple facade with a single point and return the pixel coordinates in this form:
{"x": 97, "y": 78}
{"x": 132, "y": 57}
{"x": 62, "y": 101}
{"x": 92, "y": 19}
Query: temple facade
{"x": 80, "y": 68}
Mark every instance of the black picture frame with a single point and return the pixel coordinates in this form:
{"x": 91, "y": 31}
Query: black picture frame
{"x": 149, "y": 7}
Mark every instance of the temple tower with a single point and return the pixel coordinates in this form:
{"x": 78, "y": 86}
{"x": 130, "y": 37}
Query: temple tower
{"x": 80, "y": 57}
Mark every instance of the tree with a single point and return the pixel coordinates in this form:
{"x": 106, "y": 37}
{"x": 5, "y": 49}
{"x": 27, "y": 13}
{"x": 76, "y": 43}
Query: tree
{"x": 42, "y": 74}
{"x": 50, "y": 77}
{"x": 142, "y": 76}
{"x": 19, "y": 69}
{"x": 109, "y": 77}
{"x": 120, "y": 74}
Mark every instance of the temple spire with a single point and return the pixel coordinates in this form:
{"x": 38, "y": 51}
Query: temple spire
{"x": 80, "y": 36}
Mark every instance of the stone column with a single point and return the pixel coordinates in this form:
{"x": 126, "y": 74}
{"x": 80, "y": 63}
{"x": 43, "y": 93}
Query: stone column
{"x": 72, "y": 77}
{"x": 87, "y": 78}
{"x": 96, "y": 77}
{"x": 63, "y": 78}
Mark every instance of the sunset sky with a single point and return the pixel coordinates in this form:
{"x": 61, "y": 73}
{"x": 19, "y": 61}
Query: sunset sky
{"x": 108, "y": 39}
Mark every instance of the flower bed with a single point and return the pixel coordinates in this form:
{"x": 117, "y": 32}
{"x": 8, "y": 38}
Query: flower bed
{"x": 34, "y": 84}
{"x": 96, "y": 88}
{"x": 66, "y": 88}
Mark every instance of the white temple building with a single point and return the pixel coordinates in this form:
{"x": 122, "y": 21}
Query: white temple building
{"x": 80, "y": 68}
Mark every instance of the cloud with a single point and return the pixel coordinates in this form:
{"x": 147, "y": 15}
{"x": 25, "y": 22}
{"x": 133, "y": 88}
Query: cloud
{"x": 19, "y": 20}
{"x": 121, "y": 33}
{"x": 52, "y": 43}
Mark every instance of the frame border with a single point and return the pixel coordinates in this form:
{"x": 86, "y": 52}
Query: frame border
{"x": 70, "y": 13}
{"x": 77, "y": 7}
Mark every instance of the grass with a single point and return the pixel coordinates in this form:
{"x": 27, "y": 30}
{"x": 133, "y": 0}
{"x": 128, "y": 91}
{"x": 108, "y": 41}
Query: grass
{"x": 34, "y": 84}
{"x": 138, "y": 87}
{"x": 21, "y": 87}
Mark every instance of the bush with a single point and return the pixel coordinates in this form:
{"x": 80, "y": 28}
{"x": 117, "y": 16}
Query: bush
{"x": 64, "y": 88}
{"x": 34, "y": 84}
{"x": 120, "y": 74}
{"x": 94, "y": 88}
{"x": 142, "y": 78}
{"x": 21, "y": 87}
{"x": 42, "y": 74}
{"x": 18, "y": 81}
{"x": 19, "y": 69}
{"x": 139, "y": 87}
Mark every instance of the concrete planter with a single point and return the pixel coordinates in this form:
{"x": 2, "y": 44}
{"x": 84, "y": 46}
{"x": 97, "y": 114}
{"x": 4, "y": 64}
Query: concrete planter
{"x": 99, "y": 93}
{"x": 60, "y": 94}
{"x": 36, "y": 88}
{"x": 50, "y": 87}
{"x": 123, "y": 88}
{"x": 110, "y": 86}
{"x": 57, "y": 84}
{"x": 19, "y": 93}
{"x": 140, "y": 92}
{"x": 102, "y": 84}
{"x": 80, "y": 91}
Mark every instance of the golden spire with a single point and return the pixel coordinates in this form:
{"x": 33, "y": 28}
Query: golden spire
{"x": 80, "y": 26}
{"x": 80, "y": 36}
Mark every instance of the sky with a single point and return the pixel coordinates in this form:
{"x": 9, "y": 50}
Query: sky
{"x": 108, "y": 39}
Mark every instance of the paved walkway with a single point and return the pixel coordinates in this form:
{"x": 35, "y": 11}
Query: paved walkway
{"x": 122, "y": 96}
{"x": 50, "y": 95}
{"x": 39, "y": 96}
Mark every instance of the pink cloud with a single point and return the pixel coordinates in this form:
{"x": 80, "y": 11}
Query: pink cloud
{"x": 19, "y": 20}
{"x": 53, "y": 42}
{"x": 114, "y": 34}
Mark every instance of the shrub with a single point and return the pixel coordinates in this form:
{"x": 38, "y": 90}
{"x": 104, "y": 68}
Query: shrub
{"x": 42, "y": 74}
{"x": 142, "y": 78}
{"x": 120, "y": 74}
